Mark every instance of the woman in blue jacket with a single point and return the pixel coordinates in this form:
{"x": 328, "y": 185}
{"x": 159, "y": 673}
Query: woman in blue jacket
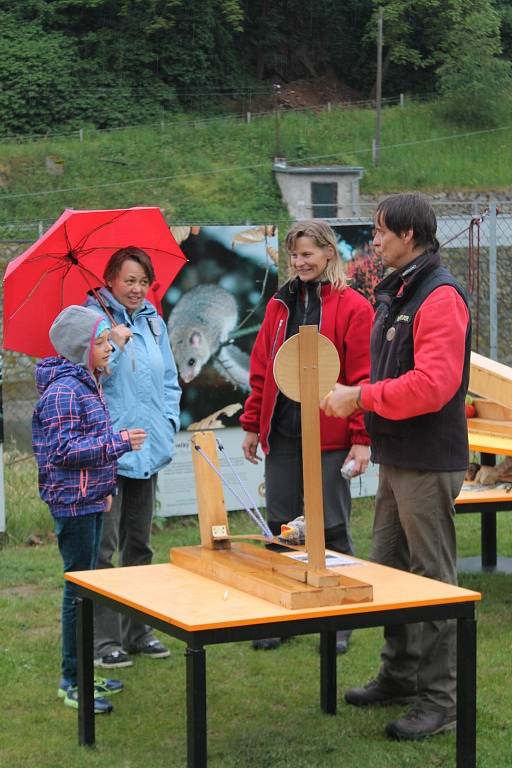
{"x": 142, "y": 389}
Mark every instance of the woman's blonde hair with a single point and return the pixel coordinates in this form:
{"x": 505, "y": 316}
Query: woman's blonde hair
{"x": 323, "y": 237}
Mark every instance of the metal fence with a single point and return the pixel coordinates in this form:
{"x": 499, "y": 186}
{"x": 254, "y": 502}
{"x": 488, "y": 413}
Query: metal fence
{"x": 477, "y": 247}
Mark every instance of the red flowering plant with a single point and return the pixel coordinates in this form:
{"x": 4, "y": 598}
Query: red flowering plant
{"x": 365, "y": 271}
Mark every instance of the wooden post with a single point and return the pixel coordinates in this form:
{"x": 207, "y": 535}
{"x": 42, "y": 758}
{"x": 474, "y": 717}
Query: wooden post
{"x": 311, "y": 452}
{"x": 213, "y": 519}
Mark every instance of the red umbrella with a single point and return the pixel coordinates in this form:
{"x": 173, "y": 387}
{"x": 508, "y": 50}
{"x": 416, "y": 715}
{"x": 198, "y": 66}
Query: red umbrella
{"x": 69, "y": 260}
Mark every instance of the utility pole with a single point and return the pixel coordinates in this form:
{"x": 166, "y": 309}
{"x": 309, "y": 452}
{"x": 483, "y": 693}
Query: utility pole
{"x": 277, "y": 148}
{"x": 378, "y": 95}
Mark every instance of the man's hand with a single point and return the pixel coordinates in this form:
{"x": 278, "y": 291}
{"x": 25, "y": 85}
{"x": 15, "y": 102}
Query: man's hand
{"x": 341, "y": 401}
{"x": 250, "y": 446}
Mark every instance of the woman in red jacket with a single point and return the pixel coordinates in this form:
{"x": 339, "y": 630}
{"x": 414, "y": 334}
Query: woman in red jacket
{"x": 315, "y": 294}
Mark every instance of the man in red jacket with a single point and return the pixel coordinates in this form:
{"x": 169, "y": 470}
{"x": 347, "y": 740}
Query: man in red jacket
{"x": 415, "y": 416}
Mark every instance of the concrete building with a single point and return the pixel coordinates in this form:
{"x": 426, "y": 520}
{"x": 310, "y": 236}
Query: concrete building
{"x": 319, "y": 192}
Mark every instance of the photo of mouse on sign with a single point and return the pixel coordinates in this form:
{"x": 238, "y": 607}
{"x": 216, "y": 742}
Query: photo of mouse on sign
{"x": 214, "y": 310}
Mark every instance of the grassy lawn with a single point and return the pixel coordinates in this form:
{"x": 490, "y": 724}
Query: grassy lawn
{"x": 263, "y": 707}
{"x": 220, "y": 170}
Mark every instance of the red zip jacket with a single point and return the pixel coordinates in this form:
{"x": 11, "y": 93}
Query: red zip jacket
{"x": 439, "y": 329}
{"x": 345, "y": 318}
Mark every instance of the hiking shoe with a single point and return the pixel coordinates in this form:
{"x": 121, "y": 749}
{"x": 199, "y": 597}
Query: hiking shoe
{"x": 419, "y": 723}
{"x": 378, "y": 692}
{"x": 342, "y": 640}
{"x": 114, "y": 660}
{"x": 268, "y": 643}
{"x": 102, "y": 706}
{"x": 103, "y": 686}
{"x": 153, "y": 649}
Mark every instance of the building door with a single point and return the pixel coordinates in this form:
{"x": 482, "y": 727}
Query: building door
{"x": 324, "y": 199}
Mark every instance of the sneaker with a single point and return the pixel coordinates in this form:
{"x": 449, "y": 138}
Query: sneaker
{"x": 420, "y": 723}
{"x": 103, "y": 686}
{"x": 102, "y": 706}
{"x": 378, "y": 692}
{"x": 153, "y": 649}
{"x": 114, "y": 660}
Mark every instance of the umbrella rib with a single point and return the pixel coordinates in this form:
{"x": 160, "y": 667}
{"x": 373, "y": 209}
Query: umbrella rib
{"x": 81, "y": 243}
{"x": 34, "y": 289}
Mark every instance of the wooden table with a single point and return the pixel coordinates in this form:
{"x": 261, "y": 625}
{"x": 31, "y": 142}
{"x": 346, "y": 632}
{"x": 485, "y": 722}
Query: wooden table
{"x": 202, "y": 612}
{"x": 487, "y": 504}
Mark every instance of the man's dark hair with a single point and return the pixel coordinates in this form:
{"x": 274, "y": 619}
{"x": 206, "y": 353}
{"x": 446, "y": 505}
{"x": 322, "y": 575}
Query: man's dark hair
{"x": 409, "y": 210}
{"x": 131, "y": 253}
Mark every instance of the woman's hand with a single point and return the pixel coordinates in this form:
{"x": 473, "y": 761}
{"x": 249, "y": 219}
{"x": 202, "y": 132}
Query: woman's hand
{"x": 361, "y": 456}
{"x": 108, "y": 503}
{"x": 250, "y": 446}
{"x": 120, "y": 334}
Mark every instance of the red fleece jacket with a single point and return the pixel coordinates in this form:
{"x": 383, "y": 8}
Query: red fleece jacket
{"x": 346, "y": 319}
{"x": 439, "y": 333}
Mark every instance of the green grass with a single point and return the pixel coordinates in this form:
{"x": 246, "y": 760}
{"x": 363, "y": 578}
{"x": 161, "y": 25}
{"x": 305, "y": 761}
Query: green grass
{"x": 263, "y": 707}
{"x": 220, "y": 170}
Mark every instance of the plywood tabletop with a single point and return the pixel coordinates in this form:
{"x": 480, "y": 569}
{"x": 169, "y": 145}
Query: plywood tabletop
{"x": 482, "y": 494}
{"x": 194, "y": 603}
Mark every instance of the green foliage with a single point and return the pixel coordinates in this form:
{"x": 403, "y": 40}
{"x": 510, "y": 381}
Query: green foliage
{"x": 38, "y": 84}
{"x": 473, "y": 79}
{"x": 114, "y": 62}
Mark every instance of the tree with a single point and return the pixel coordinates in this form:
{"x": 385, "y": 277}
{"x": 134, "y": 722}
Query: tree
{"x": 473, "y": 79}
{"x": 38, "y": 77}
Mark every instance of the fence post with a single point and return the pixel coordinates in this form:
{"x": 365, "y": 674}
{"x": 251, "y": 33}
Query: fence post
{"x": 247, "y": 117}
{"x": 493, "y": 293}
{"x": 40, "y": 229}
{"x": 81, "y": 135}
{"x": 402, "y": 100}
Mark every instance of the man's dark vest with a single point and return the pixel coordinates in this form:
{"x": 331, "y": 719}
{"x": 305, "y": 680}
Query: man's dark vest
{"x": 435, "y": 441}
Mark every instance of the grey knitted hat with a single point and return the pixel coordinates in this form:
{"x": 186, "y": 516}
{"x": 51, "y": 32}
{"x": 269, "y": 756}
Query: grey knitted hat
{"x": 73, "y": 332}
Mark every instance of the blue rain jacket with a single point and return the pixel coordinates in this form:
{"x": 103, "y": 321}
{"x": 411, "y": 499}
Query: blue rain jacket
{"x": 142, "y": 389}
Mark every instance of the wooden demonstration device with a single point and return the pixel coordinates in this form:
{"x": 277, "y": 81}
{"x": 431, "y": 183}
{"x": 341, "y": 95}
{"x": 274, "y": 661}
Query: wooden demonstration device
{"x": 492, "y": 382}
{"x": 305, "y": 369}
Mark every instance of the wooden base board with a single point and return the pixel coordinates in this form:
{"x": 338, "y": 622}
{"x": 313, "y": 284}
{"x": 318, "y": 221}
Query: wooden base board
{"x": 268, "y": 575}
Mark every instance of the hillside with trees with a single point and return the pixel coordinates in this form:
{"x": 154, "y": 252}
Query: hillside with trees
{"x": 106, "y": 63}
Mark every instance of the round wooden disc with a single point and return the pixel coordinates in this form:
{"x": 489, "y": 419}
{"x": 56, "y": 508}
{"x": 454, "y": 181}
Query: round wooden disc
{"x": 286, "y": 367}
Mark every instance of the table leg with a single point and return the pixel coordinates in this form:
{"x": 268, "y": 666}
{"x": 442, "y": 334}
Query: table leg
{"x": 466, "y": 693}
{"x": 85, "y": 671}
{"x": 488, "y": 535}
{"x": 196, "y": 707}
{"x": 488, "y": 540}
{"x": 328, "y": 682}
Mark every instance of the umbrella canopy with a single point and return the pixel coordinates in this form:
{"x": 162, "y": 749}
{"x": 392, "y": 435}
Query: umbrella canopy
{"x": 69, "y": 260}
